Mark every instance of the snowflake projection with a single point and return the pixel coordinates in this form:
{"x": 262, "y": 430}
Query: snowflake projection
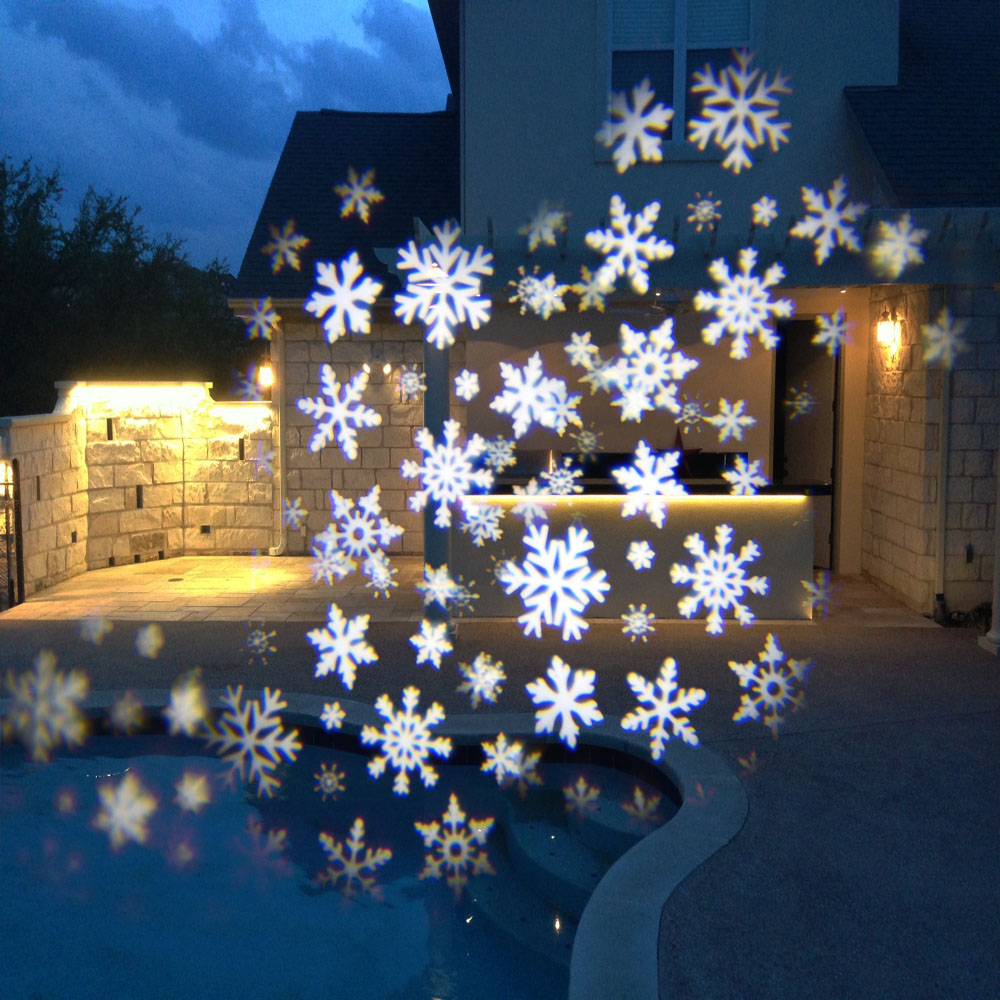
{"x": 443, "y": 286}
{"x": 358, "y": 528}
{"x": 661, "y": 703}
{"x": 650, "y": 367}
{"x": 194, "y": 792}
{"x": 263, "y": 320}
{"x": 456, "y": 847}
{"x": 346, "y": 303}
{"x": 564, "y": 701}
{"x": 503, "y": 759}
{"x": 358, "y": 193}
{"x": 528, "y": 508}
{"x": 125, "y": 809}
{"x": 764, "y": 211}
{"x": 749, "y": 764}
{"x": 799, "y": 402}
{"x": 704, "y": 212}
{"x": 692, "y": 413}
{"x": 587, "y": 442}
{"x": 259, "y": 644}
{"x": 46, "y": 706}
{"x": 542, "y": 296}
{"x": 745, "y": 478}
{"x": 768, "y": 686}
{"x": 637, "y": 622}
{"x": 642, "y": 811}
{"x": 411, "y": 383}
{"x": 246, "y": 387}
{"x": 342, "y": 645}
{"x": 329, "y": 561}
{"x": 438, "y": 586}
{"x": 530, "y": 396}
{"x": 265, "y": 854}
{"x": 544, "y": 226}
{"x": 641, "y": 555}
{"x": 293, "y": 514}
{"x": 447, "y": 472}
{"x": 581, "y": 799}
{"x": 632, "y": 129}
{"x": 94, "y": 628}
{"x": 731, "y": 420}
{"x": 897, "y": 246}
{"x": 466, "y": 385}
{"x": 944, "y": 338}
{"x": 263, "y": 460}
{"x": 284, "y": 246}
{"x": 833, "y": 332}
{"x": 332, "y": 717}
{"x": 126, "y": 714}
{"x": 743, "y": 304}
{"x": 353, "y": 864}
{"x": 718, "y": 579}
{"x": 481, "y": 522}
{"x": 340, "y": 414}
{"x": 562, "y": 480}
{"x": 498, "y": 453}
{"x": 381, "y": 576}
{"x": 591, "y": 289}
{"x": 828, "y": 220}
{"x": 555, "y": 582}
{"x": 819, "y": 593}
{"x": 650, "y": 483}
{"x": 251, "y": 739}
{"x": 330, "y": 781}
{"x": 629, "y": 245}
{"x": 431, "y": 643}
{"x": 187, "y": 709}
{"x": 149, "y": 641}
{"x": 739, "y": 111}
{"x": 483, "y": 679}
{"x": 406, "y": 740}
{"x": 581, "y": 351}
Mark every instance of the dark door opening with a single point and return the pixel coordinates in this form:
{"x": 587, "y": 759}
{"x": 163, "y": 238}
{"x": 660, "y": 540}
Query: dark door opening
{"x": 11, "y": 559}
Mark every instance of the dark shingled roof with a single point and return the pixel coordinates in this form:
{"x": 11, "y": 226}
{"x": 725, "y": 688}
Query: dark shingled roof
{"x": 416, "y": 161}
{"x": 936, "y": 136}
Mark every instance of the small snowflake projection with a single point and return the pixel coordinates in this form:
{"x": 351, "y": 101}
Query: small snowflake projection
{"x": 768, "y": 686}
{"x": 819, "y": 593}
{"x": 498, "y": 453}
{"x": 542, "y": 296}
{"x": 466, "y": 385}
{"x": 431, "y": 643}
{"x": 692, "y": 414}
{"x": 187, "y": 709}
{"x": 381, "y": 576}
{"x": 481, "y": 522}
{"x": 587, "y": 442}
{"x": 293, "y": 514}
{"x": 358, "y": 193}
{"x": 764, "y": 211}
{"x": 562, "y": 480}
{"x": 251, "y": 739}
{"x": 406, "y": 740}
{"x": 444, "y": 285}
{"x": 332, "y": 717}
{"x": 642, "y": 811}
{"x": 641, "y": 555}
{"x": 483, "y": 679}
{"x": 124, "y": 811}
{"x": 828, "y": 220}
{"x": 437, "y": 586}
{"x": 743, "y": 304}
{"x": 650, "y": 367}
{"x": 345, "y": 301}
{"x": 833, "y": 332}
{"x": 329, "y": 781}
{"x": 503, "y": 759}
{"x": 564, "y": 701}
{"x": 246, "y": 387}
{"x": 263, "y": 319}
{"x": 544, "y": 226}
{"x": 633, "y": 129}
{"x": 701, "y": 797}
{"x": 555, "y": 582}
{"x": 340, "y": 414}
{"x": 259, "y": 644}
{"x": 661, "y": 703}
{"x": 637, "y": 622}
{"x": 411, "y": 383}
{"x": 149, "y": 641}
{"x": 358, "y": 527}
{"x": 353, "y": 864}
{"x": 799, "y": 402}
{"x": 126, "y": 714}
{"x": 284, "y": 246}
{"x": 944, "y": 338}
{"x": 718, "y": 579}
{"x": 194, "y": 792}
{"x": 265, "y": 854}
{"x": 731, "y": 419}
{"x": 456, "y": 847}
{"x": 263, "y": 460}
{"x": 447, "y": 472}
{"x": 528, "y": 507}
{"x": 629, "y": 245}
{"x": 342, "y": 645}
{"x": 745, "y": 478}
{"x": 704, "y": 212}
{"x": 897, "y": 246}
{"x": 46, "y": 707}
{"x": 591, "y": 289}
{"x": 749, "y": 764}
{"x": 530, "y": 396}
{"x": 94, "y": 628}
{"x": 581, "y": 799}
{"x": 650, "y": 483}
{"x": 329, "y": 561}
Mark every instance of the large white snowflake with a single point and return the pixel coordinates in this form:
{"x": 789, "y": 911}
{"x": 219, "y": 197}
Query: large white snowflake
{"x": 358, "y": 194}
{"x": 555, "y": 582}
{"x": 481, "y": 522}
{"x": 718, "y": 579}
{"x": 456, "y": 847}
{"x": 358, "y": 528}
{"x": 662, "y": 703}
{"x": 743, "y": 304}
{"x": 328, "y": 560}
{"x": 284, "y": 246}
{"x": 466, "y": 385}
{"x": 768, "y": 686}
{"x": 444, "y": 285}
{"x": 564, "y": 701}
{"x": 340, "y": 414}
{"x": 544, "y": 226}
{"x": 353, "y": 864}
{"x": 650, "y": 482}
{"x": 406, "y": 740}
{"x": 633, "y": 129}
{"x": 828, "y": 219}
{"x": 251, "y": 739}
{"x": 448, "y": 472}
{"x": 263, "y": 319}
{"x": 744, "y": 478}
{"x": 731, "y": 419}
{"x": 342, "y": 645}
{"x": 347, "y": 303}
{"x": 649, "y": 370}
{"x": 833, "y": 331}
{"x": 542, "y": 296}
{"x": 629, "y": 245}
{"x": 484, "y": 679}
{"x": 530, "y": 396}
{"x": 125, "y": 810}
{"x": 944, "y": 338}
{"x": 897, "y": 246}
{"x": 431, "y": 643}
{"x": 739, "y": 111}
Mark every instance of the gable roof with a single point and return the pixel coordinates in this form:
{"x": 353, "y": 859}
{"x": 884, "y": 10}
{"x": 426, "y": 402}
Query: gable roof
{"x": 416, "y": 161}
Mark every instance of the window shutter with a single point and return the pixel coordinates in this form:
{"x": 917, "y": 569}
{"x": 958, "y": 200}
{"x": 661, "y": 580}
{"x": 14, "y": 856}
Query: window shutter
{"x": 642, "y": 24}
{"x": 714, "y": 24}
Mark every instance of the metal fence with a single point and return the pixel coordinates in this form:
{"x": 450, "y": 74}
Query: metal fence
{"x": 11, "y": 560}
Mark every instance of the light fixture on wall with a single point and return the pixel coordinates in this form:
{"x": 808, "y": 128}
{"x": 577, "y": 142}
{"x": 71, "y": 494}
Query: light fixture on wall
{"x": 265, "y": 375}
{"x": 889, "y": 330}
{"x": 377, "y": 361}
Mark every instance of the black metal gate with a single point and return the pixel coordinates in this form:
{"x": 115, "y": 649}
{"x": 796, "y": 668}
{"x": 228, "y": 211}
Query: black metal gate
{"x": 11, "y": 559}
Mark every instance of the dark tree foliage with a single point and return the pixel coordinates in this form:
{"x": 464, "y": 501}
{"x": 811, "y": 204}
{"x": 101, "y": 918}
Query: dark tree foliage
{"x": 102, "y": 299}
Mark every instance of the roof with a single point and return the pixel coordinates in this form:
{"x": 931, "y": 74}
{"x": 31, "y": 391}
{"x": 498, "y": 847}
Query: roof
{"x": 936, "y": 136}
{"x": 416, "y": 163}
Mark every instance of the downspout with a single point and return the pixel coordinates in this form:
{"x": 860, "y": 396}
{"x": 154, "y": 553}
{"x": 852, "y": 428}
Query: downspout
{"x": 944, "y": 433}
{"x": 278, "y": 403}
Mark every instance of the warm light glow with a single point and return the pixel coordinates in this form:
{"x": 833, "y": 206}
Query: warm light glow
{"x": 98, "y": 398}
{"x": 889, "y": 330}
{"x": 265, "y": 376}
{"x": 387, "y": 369}
{"x": 610, "y": 499}
{"x": 6, "y": 472}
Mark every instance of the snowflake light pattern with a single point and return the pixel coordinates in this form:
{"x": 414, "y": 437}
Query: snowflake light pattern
{"x": 799, "y": 402}
{"x": 745, "y": 478}
{"x": 764, "y": 211}
{"x": 346, "y": 303}
{"x": 704, "y": 212}
{"x": 542, "y": 296}
{"x": 637, "y": 622}
{"x": 126, "y": 714}
{"x": 193, "y": 792}
{"x": 828, "y": 220}
{"x": 562, "y": 480}
{"x": 587, "y": 442}
{"x": 591, "y": 289}
{"x": 411, "y": 382}
{"x": 456, "y": 847}
{"x": 352, "y": 864}
{"x": 187, "y": 709}
{"x": 483, "y": 679}
{"x": 564, "y": 700}
{"x": 530, "y": 396}
{"x": 330, "y": 781}
{"x": 342, "y": 645}
{"x": 769, "y": 686}
{"x": 358, "y": 193}
{"x": 632, "y": 129}
{"x": 293, "y": 514}
{"x": 650, "y": 367}
{"x": 431, "y": 643}
{"x": 650, "y": 483}
{"x": 897, "y": 246}
{"x": 819, "y": 593}
{"x": 94, "y": 628}
{"x": 544, "y": 226}
{"x": 124, "y": 811}
{"x": 642, "y": 811}
{"x": 629, "y": 245}
{"x": 498, "y": 453}
{"x": 661, "y": 703}
{"x": 481, "y": 522}
{"x": 358, "y": 528}
{"x": 329, "y": 561}
{"x": 149, "y": 641}
{"x": 259, "y": 643}
{"x": 340, "y": 414}
{"x": 466, "y": 385}
{"x": 731, "y": 420}
{"x": 581, "y": 799}
{"x": 284, "y": 246}
{"x": 833, "y": 332}
{"x": 944, "y": 338}
{"x": 263, "y": 320}
{"x": 503, "y": 759}
{"x": 640, "y": 554}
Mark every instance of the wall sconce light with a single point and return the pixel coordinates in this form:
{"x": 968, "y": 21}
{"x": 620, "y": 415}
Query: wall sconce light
{"x": 377, "y": 360}
{"x": 265, "y": 375}
{"x": 889, "y": 330}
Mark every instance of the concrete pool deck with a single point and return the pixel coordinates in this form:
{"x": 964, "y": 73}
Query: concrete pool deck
{"x": 868, "y": 860}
